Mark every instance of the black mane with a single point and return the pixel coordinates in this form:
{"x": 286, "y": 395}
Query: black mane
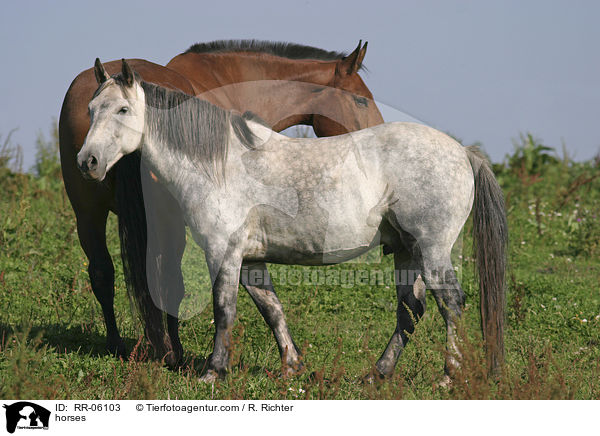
{"x": 282, "y": 49}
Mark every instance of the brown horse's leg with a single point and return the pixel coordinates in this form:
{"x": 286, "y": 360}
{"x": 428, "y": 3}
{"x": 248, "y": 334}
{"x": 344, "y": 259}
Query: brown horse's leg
{"x": 255, "y": 278}
{"x": 91, "y": 228}
{"x": 176, "y": 290}
{"x": 165, "y": 251}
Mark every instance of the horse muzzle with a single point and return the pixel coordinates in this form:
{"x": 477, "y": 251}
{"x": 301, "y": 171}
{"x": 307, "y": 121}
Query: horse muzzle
{"x": 90, "y": 167}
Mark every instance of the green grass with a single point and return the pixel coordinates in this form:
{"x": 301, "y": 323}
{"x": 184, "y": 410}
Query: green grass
{"x": 52, "y": 331}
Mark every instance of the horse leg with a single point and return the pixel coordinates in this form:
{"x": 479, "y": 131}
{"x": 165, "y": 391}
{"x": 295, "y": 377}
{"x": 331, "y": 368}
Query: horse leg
{"x": 440, "y": 277}
{"x": 225, "y": 279}
{"x": 91, "y": 229}
{"x": 255, "y": 278}
{"x": 164, "y": 261}
{"x": 410, "y": 290}
{"x": 173, "y": 329}
{"x": 166, "y": 245}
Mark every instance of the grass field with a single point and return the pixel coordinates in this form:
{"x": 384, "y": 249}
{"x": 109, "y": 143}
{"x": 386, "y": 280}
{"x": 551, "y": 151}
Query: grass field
{"x": 52, "y": 331}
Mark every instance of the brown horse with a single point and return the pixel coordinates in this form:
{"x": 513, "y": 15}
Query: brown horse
{"x": 90, "y": 200}
{"x": 311, "y": 86}
{"x": 267, "y": 71}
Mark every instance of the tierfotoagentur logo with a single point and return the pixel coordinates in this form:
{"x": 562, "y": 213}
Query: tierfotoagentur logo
{"x": 24, "y": 415}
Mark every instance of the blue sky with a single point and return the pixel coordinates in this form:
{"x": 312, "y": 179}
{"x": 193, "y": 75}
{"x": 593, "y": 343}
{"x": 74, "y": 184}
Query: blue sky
{"x": 482, "y": 71}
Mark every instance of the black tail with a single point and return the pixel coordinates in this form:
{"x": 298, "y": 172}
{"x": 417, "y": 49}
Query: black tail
{"x": 133, "y": 236}
{"x": 490, "y": 242}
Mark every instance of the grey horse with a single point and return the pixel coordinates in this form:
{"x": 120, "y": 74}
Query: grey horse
{"x": 252, "y": 196}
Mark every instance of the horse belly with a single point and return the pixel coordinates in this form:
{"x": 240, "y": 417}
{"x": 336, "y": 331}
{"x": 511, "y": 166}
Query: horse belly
{"x": 327, "y": 229}
{"x": 298, "y": 247}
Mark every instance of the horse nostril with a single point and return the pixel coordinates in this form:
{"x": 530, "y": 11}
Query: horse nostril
{"x": 83, "y": 166}
{"x": 92, "y": 162}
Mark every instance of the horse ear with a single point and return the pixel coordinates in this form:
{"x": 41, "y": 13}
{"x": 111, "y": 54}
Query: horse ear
{"x": 361, "y": 55}
{"x": 100, "y": 73}
{"x": 352, "y": 63}
{"x": 127, "y": 72}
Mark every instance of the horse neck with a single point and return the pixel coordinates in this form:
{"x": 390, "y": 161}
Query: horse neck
{"x": 190, "y": 141}
{"x": 171, "y": 166}
{"x": 168, "y": 166}
{"x": 277, "y": 89}
{"x": 213, "y": 70}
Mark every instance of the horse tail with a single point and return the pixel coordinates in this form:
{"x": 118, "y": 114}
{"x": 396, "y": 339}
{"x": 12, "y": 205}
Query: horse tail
{"x": 490, "y": 242}
{"x": 133, "y": 237}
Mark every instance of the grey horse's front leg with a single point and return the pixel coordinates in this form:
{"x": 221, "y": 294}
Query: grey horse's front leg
{"x": 225, "y": 291}
{"x": 255, "y": 278}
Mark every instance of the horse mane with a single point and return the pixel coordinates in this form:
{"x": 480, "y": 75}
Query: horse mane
{"x": 287, "y": 50}
{"x": 194, "y": 127}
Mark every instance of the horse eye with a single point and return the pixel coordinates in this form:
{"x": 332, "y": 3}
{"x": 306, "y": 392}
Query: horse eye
{"x": 123, "y": 110}
{"x": 361, "y": 101}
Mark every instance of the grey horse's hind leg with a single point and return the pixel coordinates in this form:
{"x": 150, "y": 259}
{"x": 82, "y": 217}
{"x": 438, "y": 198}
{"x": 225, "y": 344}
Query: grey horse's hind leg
{"x": 410, "y": 290}
{"x": 255, "y": 278}
{"x": 440, "y": 278}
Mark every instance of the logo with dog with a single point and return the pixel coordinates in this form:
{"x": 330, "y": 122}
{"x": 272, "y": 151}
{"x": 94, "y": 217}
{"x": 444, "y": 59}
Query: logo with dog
{"x": 26, "y": 415}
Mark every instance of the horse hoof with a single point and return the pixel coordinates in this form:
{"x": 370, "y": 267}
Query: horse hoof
{"x": 374, "y": 377}
{"x": 117, "y": 349}
{"x": 445, "y": 382}
{"x": 291, "y": 370}
{"x": 172, "y": 360}
{"x": 210, "y": 377}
